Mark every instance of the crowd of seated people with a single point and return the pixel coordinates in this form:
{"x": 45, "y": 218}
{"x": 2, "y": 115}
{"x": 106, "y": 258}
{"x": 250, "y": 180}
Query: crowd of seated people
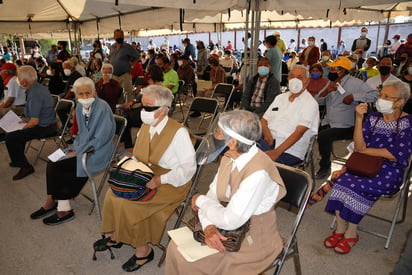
{"x": 342, "y": 85}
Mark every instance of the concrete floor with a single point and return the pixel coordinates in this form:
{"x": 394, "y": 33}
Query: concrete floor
{"x": 30, "y": 247}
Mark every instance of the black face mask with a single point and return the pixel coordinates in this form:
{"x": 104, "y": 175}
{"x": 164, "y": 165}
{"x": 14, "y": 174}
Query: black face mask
{"x": 403, "y": 58}
{"x": 333, "y": 76}
{"x": 119, "y": 40}
{"x": 384, "y": 70}
{"x": 59, "y": 48}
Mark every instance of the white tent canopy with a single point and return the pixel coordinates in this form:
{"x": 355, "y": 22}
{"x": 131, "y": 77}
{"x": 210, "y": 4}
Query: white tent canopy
{"x": 52, "y": 18}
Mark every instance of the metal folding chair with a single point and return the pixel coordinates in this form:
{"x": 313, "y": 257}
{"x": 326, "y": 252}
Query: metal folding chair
{"x": 402, "y": 202}
{"x": 298, "y": 185}
{"x": 308, "y": 159}
{"x": 66, "y": 106}
{"x": 223, "y": 90}
{"x": 206, "y": 106}
{"x": 202, "y": 151}
{"x": 179, "y": 99}
{"x": 121, "y": 123}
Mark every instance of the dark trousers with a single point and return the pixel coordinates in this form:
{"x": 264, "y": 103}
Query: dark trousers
{"x": 61, "y": 179}
{"x": 16, "y": 142}
{"x": 326, "y": 137}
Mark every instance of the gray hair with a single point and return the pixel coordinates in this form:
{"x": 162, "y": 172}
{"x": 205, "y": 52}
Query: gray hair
{"x": 107, "y": 66}
{"x": 163, "y": 96}
{"x": 28, "y": 73}
{"x": 244, "y": 123}
{"x": 84, "y": 81}
{"x": 70, "y": 63}
{"x": 401, "y": 87}
{"x": 303, "y": 68}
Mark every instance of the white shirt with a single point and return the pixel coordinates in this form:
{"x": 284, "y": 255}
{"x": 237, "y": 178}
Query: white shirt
{"x": 179, "y": 157}
{"x": 376, "y": 81}
{"x": 14, "y": 90}
{"x": 284, "y": 116}
{"x": 256, "y": 195}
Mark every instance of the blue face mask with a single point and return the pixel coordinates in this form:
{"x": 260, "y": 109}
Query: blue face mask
{"x": 263, "y": 70}
{"x": 315, "y": 75}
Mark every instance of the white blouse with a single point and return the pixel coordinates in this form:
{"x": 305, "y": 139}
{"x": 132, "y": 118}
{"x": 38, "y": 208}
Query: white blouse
{"x": 256, "y": 195}
{"x": 179, "y": 156}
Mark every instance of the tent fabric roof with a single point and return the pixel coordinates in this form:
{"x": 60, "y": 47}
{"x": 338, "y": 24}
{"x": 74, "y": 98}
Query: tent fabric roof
{"x": 30, "y": 18}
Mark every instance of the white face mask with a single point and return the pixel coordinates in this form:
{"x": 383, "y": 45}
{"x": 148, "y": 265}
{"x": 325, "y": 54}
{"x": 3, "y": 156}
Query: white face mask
{"x": 295, "y": 85}
{"x": 364, "y": 33}
{"x": 384, "y": 106}
{"x": 148, "y": 117}
{"x": 67, "y": 72}
{"x": 311, "y": 43}
{"x": 180, "y": 62}
{"x": 410, "y": 70}
{"x": 48, "y": 72}
{"x": 18, "y": 83}
{"x": 365, "y": 65}
{"x": 325, "y": 58}
{"x": 86, "y": 102}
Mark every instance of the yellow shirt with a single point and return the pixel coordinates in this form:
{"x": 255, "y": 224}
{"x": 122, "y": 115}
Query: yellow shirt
{"x": 370, "y": 72}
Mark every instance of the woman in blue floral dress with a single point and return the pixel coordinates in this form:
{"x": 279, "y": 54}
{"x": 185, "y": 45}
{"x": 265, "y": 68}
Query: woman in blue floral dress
{"x": 387, "y": 134}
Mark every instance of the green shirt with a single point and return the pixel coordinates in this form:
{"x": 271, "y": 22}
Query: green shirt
{"x": 171, "y": 78}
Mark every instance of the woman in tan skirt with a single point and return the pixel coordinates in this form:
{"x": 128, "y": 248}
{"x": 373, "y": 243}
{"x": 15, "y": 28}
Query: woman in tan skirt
{"x": 249, "y": 181}
{"x": 165, "y": 146}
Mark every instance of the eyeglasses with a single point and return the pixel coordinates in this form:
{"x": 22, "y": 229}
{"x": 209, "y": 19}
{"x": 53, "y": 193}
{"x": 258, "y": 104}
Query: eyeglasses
{"x": 384, "y": 96}
{"x": 150, "y": 108}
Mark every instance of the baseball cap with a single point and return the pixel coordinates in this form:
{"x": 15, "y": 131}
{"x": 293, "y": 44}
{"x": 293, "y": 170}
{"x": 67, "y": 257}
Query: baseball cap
{"x": 9, "y": 66}
{"x": 397, "y": 36}
{"x": 354, "y": 57}
{"x": 276, "y": 33}
{"x": 343, "y": 62}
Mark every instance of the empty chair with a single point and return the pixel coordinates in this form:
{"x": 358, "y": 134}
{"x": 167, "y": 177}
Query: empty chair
{"x": 223, "y": 90}
{"x": 298, "y": 186}
{"x": 208, "y": 108}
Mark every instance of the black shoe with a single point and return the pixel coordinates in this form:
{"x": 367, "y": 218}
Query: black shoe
{"x": 55, "y": 220}
{"x": 195, "y": 114}
{"x": 131, "y": 264}
{"x": 101, "y": 245}
{"x": 322, "y": 173}
{"x": 24, "y": 172}
{"x": 41, "y": 213}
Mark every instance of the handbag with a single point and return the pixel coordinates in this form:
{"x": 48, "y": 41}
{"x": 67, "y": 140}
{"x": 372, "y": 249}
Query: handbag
{"x": 128, "y": 180}
{"x": 364, "y": 165}
{"x": 234, "y": 237}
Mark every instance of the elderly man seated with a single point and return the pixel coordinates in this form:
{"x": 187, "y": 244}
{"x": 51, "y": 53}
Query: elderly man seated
{"x": 14, "y": 95}
{"x": 261, "y": 90}
{"x": 341, "y": 96}
{"x": 39, "y": 115}
{"x": 164, "y": 145}
{"x": 291, "y": 120}
{"x": 69, "y": 70}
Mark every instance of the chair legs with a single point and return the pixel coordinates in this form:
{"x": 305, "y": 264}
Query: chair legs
{"x": 296, "y": 259}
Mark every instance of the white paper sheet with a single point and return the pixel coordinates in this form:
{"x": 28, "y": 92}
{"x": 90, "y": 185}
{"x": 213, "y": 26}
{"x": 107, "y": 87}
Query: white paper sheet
{"x": 11, "y": 122}
{"x": 58, "y": 155}
{"x": 190, "y": 249}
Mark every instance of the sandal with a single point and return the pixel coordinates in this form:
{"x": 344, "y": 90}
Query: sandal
{"x": 345, "y": 245}
{"x": 103, "y": 244}
{"x": 333, "y": 240}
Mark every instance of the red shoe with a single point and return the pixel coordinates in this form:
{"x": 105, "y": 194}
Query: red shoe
{"x": 345, "y": 245}
{"x": 333, "y": 240}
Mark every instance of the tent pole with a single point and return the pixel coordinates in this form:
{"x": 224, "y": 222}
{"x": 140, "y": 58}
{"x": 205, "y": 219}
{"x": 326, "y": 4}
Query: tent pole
{"x": 70, "y": 37}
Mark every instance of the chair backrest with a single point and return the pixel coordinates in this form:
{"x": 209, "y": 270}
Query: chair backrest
{"x": 298, "y": 185}
{"x": 64, "y": 111}
{"x": 56, "y": 99}
{"x": 222, "y": 88}
{"x": 203, "y": 105}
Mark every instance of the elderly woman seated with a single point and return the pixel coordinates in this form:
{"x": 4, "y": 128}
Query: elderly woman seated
{"x": 163, "y": 144}
{"x": 107, "y": 88}
{"x": 386, "y": 134}
{"x": 66, "y": 177}
{"x": 249, "y": 182}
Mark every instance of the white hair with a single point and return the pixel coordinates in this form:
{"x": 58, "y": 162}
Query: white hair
{"x": 106, "y": 66}
{"x": 163, "y": 96}
{"x": 84, "y": 81}
{"x": 28, "y": 73}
